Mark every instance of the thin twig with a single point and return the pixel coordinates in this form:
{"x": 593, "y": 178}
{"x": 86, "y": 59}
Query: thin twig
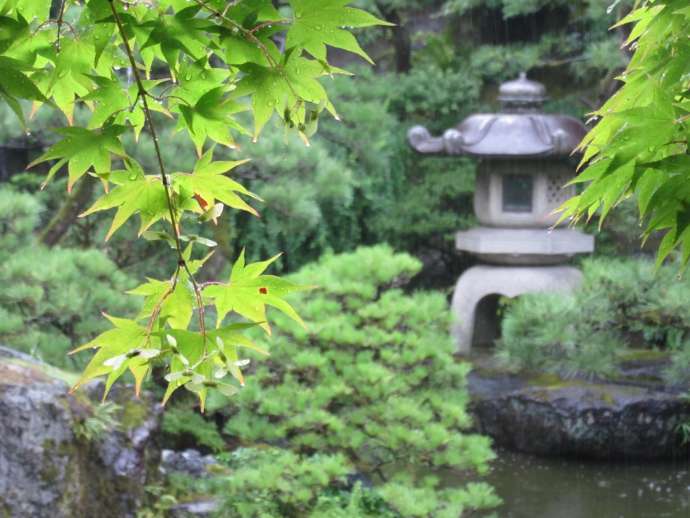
{"x": 65, "y": 23}
{"x": 246, "y": 32}
{"x": 60, "y": 21}
{"x": 269, "y": 23}
{"x": 159, "y": 305}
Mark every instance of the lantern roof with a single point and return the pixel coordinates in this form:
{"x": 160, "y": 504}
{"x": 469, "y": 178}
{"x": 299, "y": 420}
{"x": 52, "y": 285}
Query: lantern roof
{"x": 520, "y": 129}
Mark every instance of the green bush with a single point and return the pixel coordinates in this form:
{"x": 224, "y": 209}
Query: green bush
{"x": 554, "y": 332}
{"x": 275, "y": 483}
{"x": 371, "y": 381}
{"x": 308, "y": 197}
{"x": 622, "y": 304}
{"x": 51, "y": 298}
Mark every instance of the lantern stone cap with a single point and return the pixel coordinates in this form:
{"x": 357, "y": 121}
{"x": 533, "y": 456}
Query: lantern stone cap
{"x": 522, "y": 90}
{"x": 530, "y": 245}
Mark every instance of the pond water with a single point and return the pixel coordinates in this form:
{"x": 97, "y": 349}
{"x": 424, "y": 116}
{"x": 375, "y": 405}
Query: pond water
{"x": 533, "y": 487}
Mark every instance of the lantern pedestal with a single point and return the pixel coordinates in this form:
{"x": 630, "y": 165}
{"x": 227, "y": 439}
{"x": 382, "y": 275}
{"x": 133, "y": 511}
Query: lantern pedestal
{"x": 479, "y": 288}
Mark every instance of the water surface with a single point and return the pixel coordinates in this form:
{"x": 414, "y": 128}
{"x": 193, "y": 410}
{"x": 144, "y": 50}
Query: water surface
{"x": 534, "y": 487}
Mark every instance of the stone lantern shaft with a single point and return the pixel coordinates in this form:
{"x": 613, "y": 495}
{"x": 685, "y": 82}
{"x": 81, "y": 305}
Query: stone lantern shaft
{"x": 524, "y": 165}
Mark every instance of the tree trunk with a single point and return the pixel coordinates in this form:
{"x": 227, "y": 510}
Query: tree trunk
{"x": 402, "y": 41}
{"x": 68, "y": 213}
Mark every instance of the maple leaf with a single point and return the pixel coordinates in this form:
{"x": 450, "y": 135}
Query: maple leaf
{"x": 211, "y": 118}
{"x": 175, "y": 303}
{"x": 283, "y": 90}
{"x": 83, "y": 149}
{"x": 15, "y": 85}
{"x": 119, "y": 348}
{"x": 114, "y": 103}
{"x": 178, "y": 33}
{"x": 316, "y": 26}
{"x": 249, "y": 292}
{"x": 138, "y": 194}
{"x": 70, "y": 76}
{"x": 31, "y": 9}
{"x": 209, "y": 183}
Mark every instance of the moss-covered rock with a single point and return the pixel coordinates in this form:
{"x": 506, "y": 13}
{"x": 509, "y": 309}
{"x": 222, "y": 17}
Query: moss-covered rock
{"x": 544, "y": 414}
{"x": 61, "y": 455}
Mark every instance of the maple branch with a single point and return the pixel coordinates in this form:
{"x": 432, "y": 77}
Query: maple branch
{"x": 165, "y": 178}
{"x": 159, "y": 305}
{"x": 269, "y": 23}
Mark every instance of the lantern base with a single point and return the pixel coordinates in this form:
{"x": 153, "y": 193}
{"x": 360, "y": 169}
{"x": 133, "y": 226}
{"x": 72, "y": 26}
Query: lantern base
{"x": 479, "y": 288}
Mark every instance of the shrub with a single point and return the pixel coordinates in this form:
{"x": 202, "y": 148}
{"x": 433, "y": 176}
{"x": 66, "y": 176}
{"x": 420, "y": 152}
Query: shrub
{"x": 51, "y": 298}
{"x": 274, "y": 483}
{"x": 371, "y": 381}
{"x": 622, "y": 303}
{"x": 309, "y": 200}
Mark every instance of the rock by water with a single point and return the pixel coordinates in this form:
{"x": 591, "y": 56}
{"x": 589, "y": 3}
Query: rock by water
{"x": 599, "y": 420}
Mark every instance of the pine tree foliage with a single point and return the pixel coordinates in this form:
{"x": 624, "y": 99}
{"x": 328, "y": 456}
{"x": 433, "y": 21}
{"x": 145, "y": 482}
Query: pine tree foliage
{"x": 624, "y": 307}
{"x": 51, "y": 297}
{"x": 639, "y": 146}
{"x": 200, "y": 63}
{"x": 372, "y": 380}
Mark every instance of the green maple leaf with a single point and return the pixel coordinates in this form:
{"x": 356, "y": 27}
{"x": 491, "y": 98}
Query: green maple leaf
{"x": 211, "y": 118}
{"x": 208, "y": 184}
{"x": 252, "y": 10}
{"x": 29, "y": 9}
{"x": 190, "y": 360}
{"x": 118, "y": 350}
{"x": 316, "y": 26}
{"x": 249, "y": 292}
{"x": 11, "y": 31}
{"x": 182, "y": 32}
{"x": 137, "y": 194}
{"x": 83, "y": 149}
{"x": 239, "y": 49}
{"x": 200, "y": 363}
{"x": 116, "y": 103}
{"x": 284, "y": 90}
{"x": 196, "y": 79}
{"x": 16, "y": 85}
{"x": 176, "y": 306}
{"x": 97, "y": 14}
{"x": 70, "y": 77}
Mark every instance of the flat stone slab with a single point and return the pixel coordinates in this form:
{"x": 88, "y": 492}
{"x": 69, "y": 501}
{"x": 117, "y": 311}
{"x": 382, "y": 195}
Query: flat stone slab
{"x": 537, "y": 244}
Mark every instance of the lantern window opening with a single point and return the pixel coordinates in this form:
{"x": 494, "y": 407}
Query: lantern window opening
{"x": 518, "y": 192}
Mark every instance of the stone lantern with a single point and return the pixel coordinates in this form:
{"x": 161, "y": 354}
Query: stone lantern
{"x": 524, "y": 163}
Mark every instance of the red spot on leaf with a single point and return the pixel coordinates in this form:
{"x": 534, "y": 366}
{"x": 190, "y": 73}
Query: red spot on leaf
{"x": 263, "y": 291}
{"x": 202, "y": 202}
